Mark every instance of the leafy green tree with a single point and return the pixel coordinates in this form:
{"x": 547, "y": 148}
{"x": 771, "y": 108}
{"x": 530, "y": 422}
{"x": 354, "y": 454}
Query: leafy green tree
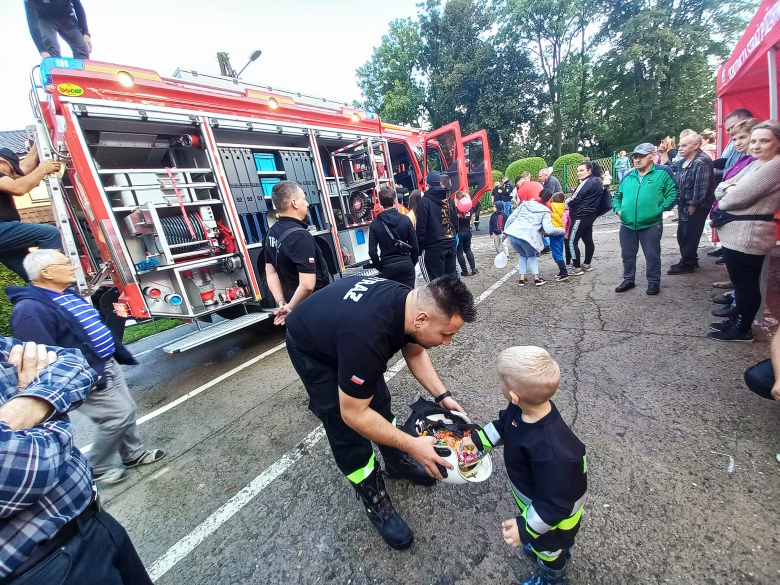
{"x": 390, "y": 80}
{"x": 658, "y": 77}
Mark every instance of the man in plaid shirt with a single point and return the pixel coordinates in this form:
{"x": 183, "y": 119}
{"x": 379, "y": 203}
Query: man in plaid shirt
{"x": 48, "y": 504}
{"x": 696, "y": 189}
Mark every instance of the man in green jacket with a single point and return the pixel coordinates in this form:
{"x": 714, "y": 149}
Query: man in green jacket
{"x": 642, "y": 197}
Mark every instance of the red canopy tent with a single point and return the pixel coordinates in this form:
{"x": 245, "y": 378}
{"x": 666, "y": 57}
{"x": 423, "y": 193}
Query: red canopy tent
{"x": 749, "y": 78}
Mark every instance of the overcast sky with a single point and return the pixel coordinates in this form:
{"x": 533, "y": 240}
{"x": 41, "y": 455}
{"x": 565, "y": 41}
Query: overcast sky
{"x": 312, "y": 46}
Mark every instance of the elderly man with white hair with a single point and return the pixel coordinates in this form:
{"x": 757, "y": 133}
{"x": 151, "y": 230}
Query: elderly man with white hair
{"x": 50, "y": 312}
{"x": 696, "y": 192}
{"x": 549, "y": 182}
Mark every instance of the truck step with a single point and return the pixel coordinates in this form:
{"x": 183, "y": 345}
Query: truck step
{"x": 216, "y": 331}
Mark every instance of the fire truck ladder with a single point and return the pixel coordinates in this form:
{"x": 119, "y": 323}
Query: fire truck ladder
{"x": 54, "y": 186}
{"x": 378, "y": 153}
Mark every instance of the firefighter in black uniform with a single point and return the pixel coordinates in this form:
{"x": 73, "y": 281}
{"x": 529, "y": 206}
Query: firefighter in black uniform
{"x": 339, "y": 341}
{"x": 294, "y": 264}
{"x": 545, "y": 461}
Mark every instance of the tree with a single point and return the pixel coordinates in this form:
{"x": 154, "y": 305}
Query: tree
{"x": 548, "y": 28}
{"x": 475, "y": 77}
{"x": 390, "y": 80}
{"x": 658, "y": 76}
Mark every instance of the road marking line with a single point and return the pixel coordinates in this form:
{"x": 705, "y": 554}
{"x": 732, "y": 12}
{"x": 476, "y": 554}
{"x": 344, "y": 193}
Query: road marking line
{"x": 186, "y": 545}
{"x": 198, "y": 390}
{"x": 157, "y": 474}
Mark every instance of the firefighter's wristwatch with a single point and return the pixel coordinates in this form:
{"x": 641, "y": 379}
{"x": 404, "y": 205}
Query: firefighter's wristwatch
{"x": 441, "y": 397}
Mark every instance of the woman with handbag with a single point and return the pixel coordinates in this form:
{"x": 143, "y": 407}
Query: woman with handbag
{"x": 745, "y": 222}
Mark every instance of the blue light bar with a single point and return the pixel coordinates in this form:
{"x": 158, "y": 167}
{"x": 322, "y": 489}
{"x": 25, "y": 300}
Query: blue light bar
{"x": 50, "y": 63}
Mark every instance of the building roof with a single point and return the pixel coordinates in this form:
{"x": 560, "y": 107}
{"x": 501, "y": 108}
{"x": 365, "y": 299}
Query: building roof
{"x": 16, "y": 140}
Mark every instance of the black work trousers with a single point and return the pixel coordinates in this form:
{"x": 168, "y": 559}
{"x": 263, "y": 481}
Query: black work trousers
{"x": 438, "y": 261}
{"x": 582, "y": 229}
{"x": 101, "y": 552}
{"x": 464, "y": 247}
{"x": 745, "y": 274}
{"x": 353, "y": 453}
{"x": 689, "y": 233}
{"x": 400, "y": 271}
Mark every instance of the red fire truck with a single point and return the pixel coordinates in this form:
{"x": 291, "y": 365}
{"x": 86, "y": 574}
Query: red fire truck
{"x": 165, "y": 200}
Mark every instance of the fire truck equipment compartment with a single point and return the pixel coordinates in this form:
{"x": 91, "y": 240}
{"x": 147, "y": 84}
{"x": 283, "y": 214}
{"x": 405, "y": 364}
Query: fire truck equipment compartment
{"x": 265, "y": 162}
{"x": 268, "y": 186}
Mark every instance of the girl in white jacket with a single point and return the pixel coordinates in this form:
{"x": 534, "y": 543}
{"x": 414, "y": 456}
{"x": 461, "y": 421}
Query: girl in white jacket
{"x": 523, "y": 228}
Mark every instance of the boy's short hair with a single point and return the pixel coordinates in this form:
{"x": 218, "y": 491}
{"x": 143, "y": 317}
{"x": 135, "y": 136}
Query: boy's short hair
{"x": 559, "y": 197}
{"x": 387, "y": 197}
{"x": 530, "y": 372}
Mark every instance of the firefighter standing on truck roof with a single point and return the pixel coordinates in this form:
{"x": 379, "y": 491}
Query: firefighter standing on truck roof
{"x": 294, "y": 264}
{"x": 339, "y": 342}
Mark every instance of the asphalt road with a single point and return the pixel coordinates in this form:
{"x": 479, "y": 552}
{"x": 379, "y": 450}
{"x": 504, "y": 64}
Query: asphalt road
{"x": 249, "y": 493}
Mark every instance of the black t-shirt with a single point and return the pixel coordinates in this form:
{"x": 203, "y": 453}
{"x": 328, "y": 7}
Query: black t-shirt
{"x": 354, "y": 325}
{"x": 298, "y": 253}
{"x": 8, "y": 211}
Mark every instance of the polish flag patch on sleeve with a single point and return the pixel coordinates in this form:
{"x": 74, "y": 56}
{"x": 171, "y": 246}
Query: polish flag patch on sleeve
{"x": 356, "y": 380}
{"x": 311, "y": 260}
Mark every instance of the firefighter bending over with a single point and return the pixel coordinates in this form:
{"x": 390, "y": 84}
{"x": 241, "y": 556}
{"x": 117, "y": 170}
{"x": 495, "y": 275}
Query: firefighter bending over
{"x": 294, "y": 264}
{"x": 339, "y": 342}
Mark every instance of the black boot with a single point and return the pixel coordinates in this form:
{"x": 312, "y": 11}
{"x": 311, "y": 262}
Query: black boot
{"x": 399, "y": 465}
{"x": 739, "y": 331}
{"x": 380, "y": 511}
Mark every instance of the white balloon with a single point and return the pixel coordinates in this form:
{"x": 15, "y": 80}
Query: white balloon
{"x": 500, "y": 260}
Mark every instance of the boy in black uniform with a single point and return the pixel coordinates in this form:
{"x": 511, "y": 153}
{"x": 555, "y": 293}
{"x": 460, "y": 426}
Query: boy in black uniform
{"x": 394, "y": 234}
{"x": 339, "y": 341}
{"x": 294, "y": 264}
{"x": 545, "y": 461}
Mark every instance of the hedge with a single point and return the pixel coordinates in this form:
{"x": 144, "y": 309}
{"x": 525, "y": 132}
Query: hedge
{"x": 497, "y": 176}
{"x": 532, "y": 164}
{"x": 7, "y": 278}
{"x": 571, "y": 160}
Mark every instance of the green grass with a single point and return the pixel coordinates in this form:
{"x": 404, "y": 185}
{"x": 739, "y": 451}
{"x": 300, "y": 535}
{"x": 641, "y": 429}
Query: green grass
{"x": 141, "y": 330}
{"x": 7, "y": 278}
{"x": 132, "y": 333}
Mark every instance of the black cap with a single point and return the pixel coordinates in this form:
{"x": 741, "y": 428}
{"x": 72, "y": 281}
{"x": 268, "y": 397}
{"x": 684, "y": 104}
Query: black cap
{"x": 433, "y": 178}
{"x": 10, "y": 156}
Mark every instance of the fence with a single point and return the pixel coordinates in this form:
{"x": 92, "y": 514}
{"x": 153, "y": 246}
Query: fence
{"x": 568, "y": 177}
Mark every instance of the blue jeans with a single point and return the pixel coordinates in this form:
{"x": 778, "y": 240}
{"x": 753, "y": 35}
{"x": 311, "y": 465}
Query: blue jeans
{"x": 16, "y": 237}
{"x": 100, "y": 553}
{"x": 528, "y": 256}
{"x": 556, "y": 247}
{"x": 622, "y": 173}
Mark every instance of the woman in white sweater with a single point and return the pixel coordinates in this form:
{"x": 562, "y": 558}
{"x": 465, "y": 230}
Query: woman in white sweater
{"x": 748, "y": 232}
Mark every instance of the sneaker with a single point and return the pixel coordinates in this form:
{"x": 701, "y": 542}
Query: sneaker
{"x": 113, "y": 476}
{"x": 569, "y": 267}
{"x": 729, "y": 311}
{"x": 539, "y": 281}
{"x": 380, "y": 511}
{"x": 522, "y": 282}
{"x": 464, "y": 273}
{"x": 545, "y": 250}
{"x": 717, "y": 252}
{"x": 726, "y": 299}
{"x": 576, "y": 272}
{"x": 146, "y": 458}
{"x": 732, "y": 334}
{"x": 474, "y": 271}
{"x": 587, "y": 268}
{"x": 561, "y": 277}
{"x": 722, "y": 325}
